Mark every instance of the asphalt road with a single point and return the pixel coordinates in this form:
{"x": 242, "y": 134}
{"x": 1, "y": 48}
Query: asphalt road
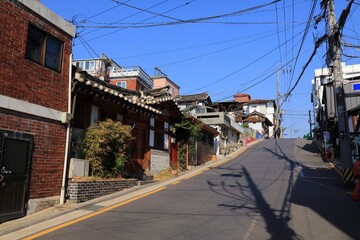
{"x": 277, "y": 189}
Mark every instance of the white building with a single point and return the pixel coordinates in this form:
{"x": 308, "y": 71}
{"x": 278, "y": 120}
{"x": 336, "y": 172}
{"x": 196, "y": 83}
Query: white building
{"x": 265, "y": 107}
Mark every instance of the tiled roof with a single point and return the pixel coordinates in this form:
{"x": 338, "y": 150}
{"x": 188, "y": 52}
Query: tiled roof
{"x": 193, "y": 98}
{"x": 149, "y": 100}
{"x": 241, "y": 95}
{"x": 158, "y": 92}
{"x": 123, "y": 95}
{"x": 258, "y": 101}
{"x": 256, "y": 113}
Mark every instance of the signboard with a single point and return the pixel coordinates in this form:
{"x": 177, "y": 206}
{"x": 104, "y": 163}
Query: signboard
{"x": 356, "y": 86}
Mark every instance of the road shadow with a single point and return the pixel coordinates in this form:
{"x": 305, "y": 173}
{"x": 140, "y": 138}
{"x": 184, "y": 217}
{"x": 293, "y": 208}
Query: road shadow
{"x": 309, "y": 147}
{"x": 238, "y": 185}
{"x": 319, "y": 189}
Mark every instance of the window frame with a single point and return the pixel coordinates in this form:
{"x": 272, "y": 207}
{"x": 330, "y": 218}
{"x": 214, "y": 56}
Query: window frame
{"x": 159, "y": 134}
{"x": 121, "y": 84}
{"x": 44, "y": 48}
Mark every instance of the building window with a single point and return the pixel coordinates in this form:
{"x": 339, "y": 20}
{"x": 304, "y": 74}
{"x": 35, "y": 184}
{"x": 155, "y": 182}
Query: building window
{"x": 152, "y": 138}
{"x": 94, "y": 114}
{"x": 159, "y": 138}
{"x": 166, "y": 141}
{"x": 86, "y": 65}
{"x": 121, "y": 84}
{"x": 119, "y": 117}
{"x": 43, "y": 48}
{"x": 159, "y": 141}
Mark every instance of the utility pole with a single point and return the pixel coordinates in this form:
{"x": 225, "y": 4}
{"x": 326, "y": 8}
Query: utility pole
{"x": 334, "y": 56}
{"x": 310, "y": 134}
{"x": 278, "y": 118}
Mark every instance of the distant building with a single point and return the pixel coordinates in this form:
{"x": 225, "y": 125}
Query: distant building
{"x": 200, "y": 106}
{"x": 132, "y": 78}
{"x": 162, "y": 80}
{"x": 267, "y": 108}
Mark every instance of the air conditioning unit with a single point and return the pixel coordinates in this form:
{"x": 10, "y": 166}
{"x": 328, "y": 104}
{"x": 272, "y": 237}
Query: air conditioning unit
{"x": 79, "y": 168}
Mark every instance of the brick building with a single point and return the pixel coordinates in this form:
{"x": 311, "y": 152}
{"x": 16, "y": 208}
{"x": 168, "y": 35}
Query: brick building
{"x": 35, "y": 50}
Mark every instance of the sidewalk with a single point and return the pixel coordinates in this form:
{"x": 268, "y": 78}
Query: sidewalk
{"x": 334, "y": 161}
{"x": 60, "y": 214}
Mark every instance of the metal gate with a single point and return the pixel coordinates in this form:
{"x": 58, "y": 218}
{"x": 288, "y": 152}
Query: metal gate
{"x": 15, "y": 159}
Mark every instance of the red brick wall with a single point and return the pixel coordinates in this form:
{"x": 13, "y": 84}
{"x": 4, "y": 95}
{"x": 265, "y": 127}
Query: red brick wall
{"x": 242, "y": 97}
{"x": 48, "y": 153}
{"x": 131, "y": 83}
{"x": 22, "y": 78}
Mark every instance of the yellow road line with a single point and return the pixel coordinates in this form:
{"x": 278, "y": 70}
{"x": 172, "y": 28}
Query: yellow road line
{"x": 175, "y": 182}
{"x": 42, "y": 233}
{"x": 332, "y": 165}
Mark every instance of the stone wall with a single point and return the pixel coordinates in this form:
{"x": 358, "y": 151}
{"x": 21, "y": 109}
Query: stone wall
{"x": 160, "y": 160}
{"x": 83, "y": 191}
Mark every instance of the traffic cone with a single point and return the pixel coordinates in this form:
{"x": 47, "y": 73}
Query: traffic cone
{"x": 356, "y": 192}
{"x": 326, "y": 154}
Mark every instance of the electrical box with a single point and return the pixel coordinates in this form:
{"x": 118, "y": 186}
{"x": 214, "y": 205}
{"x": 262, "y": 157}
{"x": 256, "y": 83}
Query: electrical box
{"x": 79, "y": 168}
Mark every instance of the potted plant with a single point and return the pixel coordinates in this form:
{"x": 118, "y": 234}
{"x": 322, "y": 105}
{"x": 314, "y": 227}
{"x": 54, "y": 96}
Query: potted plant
{"x": 174, "y": 168}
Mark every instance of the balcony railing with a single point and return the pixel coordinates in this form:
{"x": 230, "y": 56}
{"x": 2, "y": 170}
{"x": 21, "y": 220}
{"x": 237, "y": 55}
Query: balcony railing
{"x": 133, "y": 72}
{"x": 219, "y": 118}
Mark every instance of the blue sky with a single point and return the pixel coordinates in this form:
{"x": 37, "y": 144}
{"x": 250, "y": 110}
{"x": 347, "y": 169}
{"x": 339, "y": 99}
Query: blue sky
{"x": 222, "y": 47}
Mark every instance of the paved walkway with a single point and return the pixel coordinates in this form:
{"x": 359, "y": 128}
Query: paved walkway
{"x": 60, "y": 214}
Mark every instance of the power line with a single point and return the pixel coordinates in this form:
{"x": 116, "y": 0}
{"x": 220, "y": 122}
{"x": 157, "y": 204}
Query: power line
{"x": 187, "y": 21}
{"x": 132, "y": 15}
{"x": 107, "y": 10}
{"x": 242, "y": 68}
{"x": 146, "y": 10}
{"x": 192, "y": 47}
{"x": 317, "y": 45}
{"x": 214, "y": 52}
{"x": 86, "y": 45}
{"x": 160, "y": 24}
{"x": 177, "y": 7}
{"x": 274, "y": 71}
{"x": 303, "y": 40}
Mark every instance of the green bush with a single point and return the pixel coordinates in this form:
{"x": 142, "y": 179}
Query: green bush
{"x": 106, "y": 146}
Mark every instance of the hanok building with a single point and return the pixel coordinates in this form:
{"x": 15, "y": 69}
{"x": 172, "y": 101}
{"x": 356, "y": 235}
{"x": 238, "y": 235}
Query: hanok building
{"x": 152, "y": 114}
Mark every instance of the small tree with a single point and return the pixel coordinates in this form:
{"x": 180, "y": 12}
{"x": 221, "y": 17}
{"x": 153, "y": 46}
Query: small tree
{"x": 188, "y": 133}
{"x": 106, "y": 146}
